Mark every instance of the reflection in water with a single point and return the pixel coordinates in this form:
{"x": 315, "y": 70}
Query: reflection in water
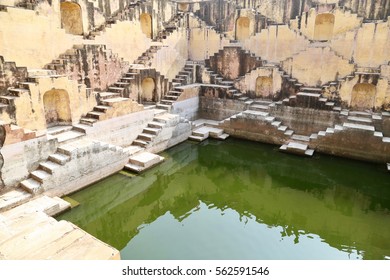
{"x": 241, "y": 200}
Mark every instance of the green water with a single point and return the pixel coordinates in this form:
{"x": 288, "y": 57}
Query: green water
{"x": 241, "y": 200}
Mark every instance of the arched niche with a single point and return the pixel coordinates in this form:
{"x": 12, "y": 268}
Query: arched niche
{"x": 146, "y": 24}
{"x": 57, "y": 107}
{"x": 363, "y": 96}
{"x": 242, "y": 28}
{"x": 323, "y": 27}
{"x": 264, "y": 86}
{"x": 71, "y": 19}
{"x": 148, "y": 89}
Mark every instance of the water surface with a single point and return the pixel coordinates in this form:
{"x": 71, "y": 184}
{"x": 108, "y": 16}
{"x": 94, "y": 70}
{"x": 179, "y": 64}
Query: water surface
{"x": 241, "y": 200}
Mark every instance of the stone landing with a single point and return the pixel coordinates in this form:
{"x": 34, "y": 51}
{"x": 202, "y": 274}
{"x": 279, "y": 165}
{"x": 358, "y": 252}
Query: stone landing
{"x": 204, "y": 129}
{"x": 27, "y": 232}
{"x": 297, "y": 149}
{"x": 143, "y": 161}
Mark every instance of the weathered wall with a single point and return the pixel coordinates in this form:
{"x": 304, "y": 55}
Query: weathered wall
{"x": 121, "y": 131}
{"x": 187, "y": 105}
{"x": 251, "y": 84}
{"x": 30, "y": 107}
{"x": 343, "y": 21}
{"x": 232, "y": 62}
{"x": 381, "y": 96}
{"x": 126, "y": 39}
{"x": 366, "y": 46}
{"x": 219, "y": 109}
{"x": 20, "y": 29}
{"x": 171, "y": 58}
{"x": 10, "y": 75}
{"x": 89, "y": 162}
{"x": 317, "y": 66}
{"x": 92, "y": 65}
{"x": 204, "y": 41}
{"x": 355, "y": 144}
{"x": 173, "y": 133}
{"x": 305, "y": 121}
{"x": 276, "y": 43}
{"x": 23, "y": 157}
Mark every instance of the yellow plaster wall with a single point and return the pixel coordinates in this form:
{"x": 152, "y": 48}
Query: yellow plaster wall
{"x": 126, "y": 39}
{"x": 32, "y": 40}
{"x": 248, "y": 83}
{"x": 276, "y": 43}
{"x": 30, "y": 111}
{"x": 204, "y": 42}
{"x": 171, "y": 58}
{"x": 317, "y": 66}
{"x": 344, "y": 21}
{"x": 368, "y": 45}
{"x": 382, "y": 92}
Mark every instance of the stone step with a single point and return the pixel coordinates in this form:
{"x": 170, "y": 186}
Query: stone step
{"x": 197, "y": 138}
{"x": 145, "y": 159}
{"x": 256, "y": 113}
{"x": 300, "y": 138}
{"x": 13, "y": 198}
{"x": 88, "y": 121}
{"x": 107, "y": 94}
{"x": 223, "y": 136}
{"x": 81, "y": 128}
{"x": 174, "y": 93}
{"x": 6, "y": 99}
{"x": 359, "y": 119}
{"x": 17, "y": 91}
{"x": 359, "y": 126}
{"x": 151, "y": 130}
{"x": 146, "y": 136}
{"x": 167, "y": 102}
{"x": 156, "y": 124}
{"x": 141, "y": 143}
{"x": 68, "y": 135}
{"x": 95, "y": 115}
{"x": 59, "y": 158}
{"x": 259, "y": 107}
{"x": 32, "y": 186}
{"x": 40, "y": 175}
{"x": 164, "y": 106}
{"x": 101, "y": 108}
{"x": 388, "y": 167}
{"x": 116, "y": 89}
{"x": 289, "y": 132}
{"x": 171, "y": 97}
{"x": 49, "y": 166}
{"x": 121, "y": 84}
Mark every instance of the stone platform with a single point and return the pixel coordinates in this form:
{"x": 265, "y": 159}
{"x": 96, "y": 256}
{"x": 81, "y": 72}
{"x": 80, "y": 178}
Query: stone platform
{"x": 143, "y": 161}
{"x": 27, "y": 232}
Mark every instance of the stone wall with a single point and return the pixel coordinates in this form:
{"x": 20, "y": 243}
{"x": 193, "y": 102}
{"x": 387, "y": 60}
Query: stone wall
{"x": 232, "y": 62}
{"x": 219, "y": 109}
{"x": 276, "y": 43}
{"x": 23, "y": 157}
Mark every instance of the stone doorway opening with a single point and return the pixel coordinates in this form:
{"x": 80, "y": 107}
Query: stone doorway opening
{"x": 71, "y": 18}
{"x": 57, "y": 108}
